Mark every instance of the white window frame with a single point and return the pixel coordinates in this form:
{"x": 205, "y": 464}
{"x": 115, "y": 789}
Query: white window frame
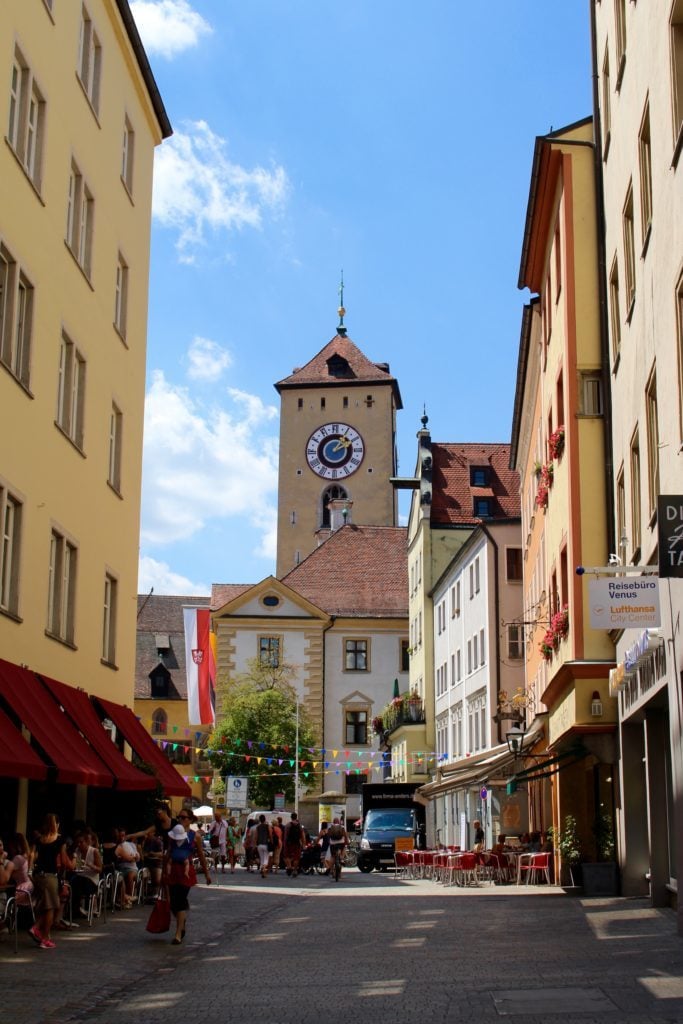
{"x": 61, "y": 587}
{"x": 90, "y": 60}
{"x": 121, "y": 296}
{"x": 110, "y": 608}
{"x": 16, "y": 318}
{"x": 71, "y": 391}
{"x": 115, "y": 444}
{"x": 515, "y": 639}
{"x": 11, "y": 511}
{"x": 26, "y": 123}
{"x": 128, "y": 155}
{"x": 80, "y": 219}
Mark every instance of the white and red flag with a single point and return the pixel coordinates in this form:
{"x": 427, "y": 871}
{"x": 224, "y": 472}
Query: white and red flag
{"x": 200, "y": 662}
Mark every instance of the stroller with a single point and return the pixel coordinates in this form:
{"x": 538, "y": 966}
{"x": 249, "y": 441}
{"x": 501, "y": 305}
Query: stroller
{"x": 312, "y": 860}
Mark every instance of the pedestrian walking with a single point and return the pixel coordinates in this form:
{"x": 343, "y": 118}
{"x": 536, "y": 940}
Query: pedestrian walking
{"x": 218, "y": 839}
{"x": 179, "y": 873}
{"x": 264, "y": 844}
{"x": 50, "y": 853}
{"x": 294, "y": 841}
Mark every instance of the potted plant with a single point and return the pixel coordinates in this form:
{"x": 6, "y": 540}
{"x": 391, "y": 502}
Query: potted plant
{"x": 538, "y": 468}
{"x": 414, "y": 703}
{"x": 566, "y": 843}
{"x": 548, "y": 645}
{"x": 378, "y": 725}
{"x": 556, "y": 443}
{"x": 559, "y": 624}
{"x": 601, "y": 877}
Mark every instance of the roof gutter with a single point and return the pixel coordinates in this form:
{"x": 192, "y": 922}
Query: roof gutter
{"x": 145, "y": 68}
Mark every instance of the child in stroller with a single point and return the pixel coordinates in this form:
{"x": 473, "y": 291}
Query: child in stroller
{"x": 312, "y": 860}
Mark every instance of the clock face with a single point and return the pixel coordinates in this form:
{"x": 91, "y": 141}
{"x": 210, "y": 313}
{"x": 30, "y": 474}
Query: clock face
{"x": 335, "y": 451}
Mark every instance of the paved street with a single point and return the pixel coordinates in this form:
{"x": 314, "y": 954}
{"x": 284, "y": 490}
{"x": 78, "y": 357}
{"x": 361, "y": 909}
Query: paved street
{"x": 370, "y": 948}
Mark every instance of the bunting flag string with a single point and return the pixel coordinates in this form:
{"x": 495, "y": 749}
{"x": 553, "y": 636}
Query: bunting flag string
{"x": 199, "y": 742}
{"x": 418, "y": 758}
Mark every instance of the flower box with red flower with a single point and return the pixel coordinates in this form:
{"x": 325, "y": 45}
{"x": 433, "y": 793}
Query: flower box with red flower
{"x": 556, "y": 443}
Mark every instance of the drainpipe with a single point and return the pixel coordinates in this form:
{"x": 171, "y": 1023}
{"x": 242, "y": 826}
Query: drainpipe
{"x": 612, "y": 543}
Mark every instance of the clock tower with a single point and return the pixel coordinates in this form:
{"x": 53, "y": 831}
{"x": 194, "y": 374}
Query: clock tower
{"x": 337, "y": 444}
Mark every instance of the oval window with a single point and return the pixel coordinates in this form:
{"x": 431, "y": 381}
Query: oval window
{"x": 271, "y": 601}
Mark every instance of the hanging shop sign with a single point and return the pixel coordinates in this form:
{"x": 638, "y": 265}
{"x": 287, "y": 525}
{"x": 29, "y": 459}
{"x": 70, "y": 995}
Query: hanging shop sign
{"x": 670, "y": 534}
{"x": 646, "y": 644}
{"x": 623, "y": 603}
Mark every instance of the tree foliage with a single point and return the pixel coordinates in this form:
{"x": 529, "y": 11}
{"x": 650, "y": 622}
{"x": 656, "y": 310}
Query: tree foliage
{"x": 259, "y": 707}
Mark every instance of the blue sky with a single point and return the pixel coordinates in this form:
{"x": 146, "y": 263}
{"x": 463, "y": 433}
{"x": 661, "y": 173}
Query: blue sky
{"x": 389, "y": 139}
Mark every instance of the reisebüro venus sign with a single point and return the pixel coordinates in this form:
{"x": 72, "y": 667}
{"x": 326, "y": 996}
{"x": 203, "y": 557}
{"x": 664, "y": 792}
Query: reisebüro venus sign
{"x": 623, "y": 603}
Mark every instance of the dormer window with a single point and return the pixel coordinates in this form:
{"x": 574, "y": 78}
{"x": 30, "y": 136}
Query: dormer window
{"x": 482, "y": 508}
{"x": 337, "y": 366}
{"x": 479, "y": 476}
{"x": 160, "y": 679}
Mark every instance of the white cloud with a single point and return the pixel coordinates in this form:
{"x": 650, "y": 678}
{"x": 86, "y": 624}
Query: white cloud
{"x": 158, "y": 575}
{"x": 197, "y": 188}
{"x": 207, "y": 359}
{"x": 204, "y": 464}
{"x": 168, "y": 27}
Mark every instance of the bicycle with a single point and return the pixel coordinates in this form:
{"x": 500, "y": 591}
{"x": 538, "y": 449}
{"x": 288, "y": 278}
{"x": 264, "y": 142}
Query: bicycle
{"x": 337, "y": 864}
{"x": 350, "y": 857}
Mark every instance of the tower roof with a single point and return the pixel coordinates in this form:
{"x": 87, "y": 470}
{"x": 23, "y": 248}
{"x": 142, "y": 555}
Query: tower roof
{"x": 341, "y": 363}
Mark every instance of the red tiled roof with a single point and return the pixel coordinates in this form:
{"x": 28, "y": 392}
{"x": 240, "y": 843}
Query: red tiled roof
{"x": 360, "y": 369}
{"x": 452, "y": 495}
{"x": 222, "y": 593}
{"x": 359, "y": 571}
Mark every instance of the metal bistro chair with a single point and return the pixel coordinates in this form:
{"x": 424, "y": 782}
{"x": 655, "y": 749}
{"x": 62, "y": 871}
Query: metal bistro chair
{"x": 97, "y": 901}
{"x": 537, "y": 868}
{"x": 8, "y": 918}
{"x": 403, "y": 862}
{"x": 463, "y": 867}
{"x": 143, "y": 881}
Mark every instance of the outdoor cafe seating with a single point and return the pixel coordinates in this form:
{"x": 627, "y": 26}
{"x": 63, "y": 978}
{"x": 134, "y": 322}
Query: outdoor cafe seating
{"x": 453, "y": 866}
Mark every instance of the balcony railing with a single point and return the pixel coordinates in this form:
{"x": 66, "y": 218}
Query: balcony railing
{"x": 408, "y": 713}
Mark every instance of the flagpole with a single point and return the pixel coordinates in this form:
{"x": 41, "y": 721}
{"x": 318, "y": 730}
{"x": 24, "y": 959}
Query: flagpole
{"x": 296, "y": 762}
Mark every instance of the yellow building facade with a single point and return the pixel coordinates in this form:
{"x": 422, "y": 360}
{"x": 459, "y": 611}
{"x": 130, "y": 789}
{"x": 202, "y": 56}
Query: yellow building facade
{"x": 81, "y": 116}
{"x": 559, "y": 418}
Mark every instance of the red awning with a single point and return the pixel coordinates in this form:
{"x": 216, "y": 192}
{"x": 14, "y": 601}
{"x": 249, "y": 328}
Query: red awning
{"x": 145, "y": 747}
{"x": 76, "y": 762}
{"x": 18, "y": 759}
{"x": 80, "y": 710}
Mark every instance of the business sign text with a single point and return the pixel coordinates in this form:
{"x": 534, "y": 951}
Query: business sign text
{"x": 624, "y": 603}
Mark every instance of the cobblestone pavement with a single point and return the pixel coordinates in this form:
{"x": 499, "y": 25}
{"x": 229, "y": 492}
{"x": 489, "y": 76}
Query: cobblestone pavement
{"x": 294, "y": 951}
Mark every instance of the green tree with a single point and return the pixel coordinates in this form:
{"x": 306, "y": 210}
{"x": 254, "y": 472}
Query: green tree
{"x": 259, "y": 705}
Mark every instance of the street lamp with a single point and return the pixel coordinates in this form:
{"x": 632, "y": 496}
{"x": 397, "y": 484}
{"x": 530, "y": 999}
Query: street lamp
{"x": 514, "y": 739}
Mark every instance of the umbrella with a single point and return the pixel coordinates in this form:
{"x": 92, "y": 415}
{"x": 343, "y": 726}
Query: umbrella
{"x": 396, "y": 693}
{"x": 203, "y": 812}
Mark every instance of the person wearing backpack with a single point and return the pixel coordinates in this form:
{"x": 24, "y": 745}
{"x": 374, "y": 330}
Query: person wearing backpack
{"x": 338, "y": 839}
{"x": 294, "y": 841}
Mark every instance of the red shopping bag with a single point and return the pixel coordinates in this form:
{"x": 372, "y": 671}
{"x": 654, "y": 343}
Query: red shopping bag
{"x": 160, "y": 918}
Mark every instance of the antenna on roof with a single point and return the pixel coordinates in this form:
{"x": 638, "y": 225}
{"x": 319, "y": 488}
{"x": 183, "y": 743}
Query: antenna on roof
{"x": 342, "y": 312}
